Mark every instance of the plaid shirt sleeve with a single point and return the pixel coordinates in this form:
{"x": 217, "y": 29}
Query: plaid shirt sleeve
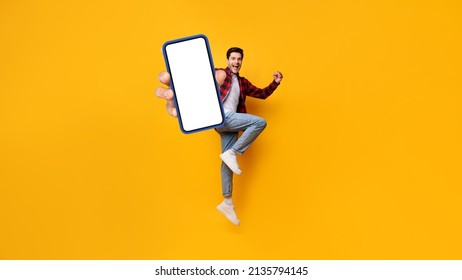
{"x": 249, "y": 89}
{"x": 246, "y": 89}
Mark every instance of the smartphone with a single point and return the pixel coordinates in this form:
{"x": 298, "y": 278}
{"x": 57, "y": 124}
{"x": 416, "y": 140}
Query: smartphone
{"x": 196, "y": 92}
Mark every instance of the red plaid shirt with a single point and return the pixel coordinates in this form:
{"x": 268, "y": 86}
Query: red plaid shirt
{"x": 246, "y": 88}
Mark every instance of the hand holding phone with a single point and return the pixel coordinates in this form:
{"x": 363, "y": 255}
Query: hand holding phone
{"x": 192, "y": 79}
{"x": 166, "y": 93}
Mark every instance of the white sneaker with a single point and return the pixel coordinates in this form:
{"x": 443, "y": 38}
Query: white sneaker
{"x": 231, "y": 161}
{"x": 229, "y": 212}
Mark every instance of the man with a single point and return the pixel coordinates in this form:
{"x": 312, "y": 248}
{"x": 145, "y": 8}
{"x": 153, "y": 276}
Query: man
{"x": 234, "y": 89}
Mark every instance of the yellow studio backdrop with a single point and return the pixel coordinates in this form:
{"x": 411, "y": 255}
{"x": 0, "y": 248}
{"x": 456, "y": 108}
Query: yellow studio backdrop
{"x": 361, "y": 158}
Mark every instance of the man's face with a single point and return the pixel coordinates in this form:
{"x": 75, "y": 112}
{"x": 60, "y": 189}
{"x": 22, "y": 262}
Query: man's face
{"x": 235, "y": 62}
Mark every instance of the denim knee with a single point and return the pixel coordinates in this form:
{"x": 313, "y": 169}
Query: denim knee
{"x": 261, "y": 123}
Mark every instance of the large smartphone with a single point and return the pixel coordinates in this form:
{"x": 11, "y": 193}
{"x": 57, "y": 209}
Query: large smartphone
{"x": 196, "y": 92}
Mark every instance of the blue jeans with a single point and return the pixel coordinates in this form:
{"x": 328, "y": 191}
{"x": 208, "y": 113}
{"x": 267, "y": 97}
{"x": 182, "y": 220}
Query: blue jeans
{"x": 235, "y": 122}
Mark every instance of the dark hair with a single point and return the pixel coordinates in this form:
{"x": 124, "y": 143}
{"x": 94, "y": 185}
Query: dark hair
{"x": 234, "y": 49}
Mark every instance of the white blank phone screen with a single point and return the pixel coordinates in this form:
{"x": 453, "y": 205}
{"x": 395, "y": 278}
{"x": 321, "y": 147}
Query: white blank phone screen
{"x": 194, "y": 84}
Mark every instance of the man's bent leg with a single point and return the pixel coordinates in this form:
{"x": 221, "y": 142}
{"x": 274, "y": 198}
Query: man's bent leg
{"x": 250, "y": 124}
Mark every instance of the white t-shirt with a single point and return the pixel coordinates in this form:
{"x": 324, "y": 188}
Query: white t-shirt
{"x": 232, "y": 99}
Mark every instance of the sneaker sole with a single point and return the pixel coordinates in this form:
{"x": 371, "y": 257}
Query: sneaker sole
{"x": 237, "y": 172}
{"x": 226, "y": 215}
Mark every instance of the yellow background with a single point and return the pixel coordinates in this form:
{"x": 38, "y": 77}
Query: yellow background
{"x": 361, "y": 158}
